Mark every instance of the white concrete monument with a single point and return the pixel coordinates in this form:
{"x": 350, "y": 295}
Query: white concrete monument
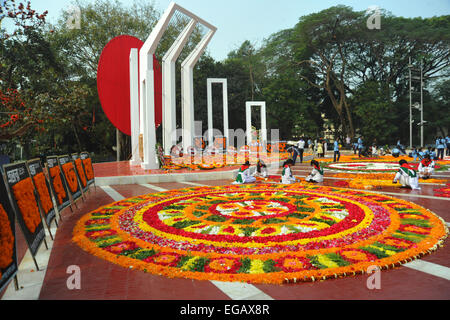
{"x": 146, "y": 87}
{"x": 134, "y": 106}
{"x": 209, "y": 84}
{"x": 248, "y": 114}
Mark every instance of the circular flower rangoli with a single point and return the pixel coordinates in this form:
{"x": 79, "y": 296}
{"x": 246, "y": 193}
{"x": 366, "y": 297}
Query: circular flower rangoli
{"x": 265, "y": 233}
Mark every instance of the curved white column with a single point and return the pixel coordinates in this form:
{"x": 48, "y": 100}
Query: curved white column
{"x": 169, "y": 86}
{"x": 187, "y": 88}
{"x": 134, "y": 106}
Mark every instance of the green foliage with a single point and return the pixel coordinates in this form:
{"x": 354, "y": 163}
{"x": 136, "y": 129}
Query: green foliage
{"x": 328, "y": 69}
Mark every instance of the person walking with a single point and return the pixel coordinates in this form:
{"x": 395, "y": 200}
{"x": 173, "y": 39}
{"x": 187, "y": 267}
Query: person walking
{"x": 355, "y": 146}
{"x": 336, "y": 151}
{"x": 447, "y": 142}
{"x": 360, "y": 146}
{"x": 301, "y": 148}
{"x": 320, "y": 149}
{"x": 440, "y": 146}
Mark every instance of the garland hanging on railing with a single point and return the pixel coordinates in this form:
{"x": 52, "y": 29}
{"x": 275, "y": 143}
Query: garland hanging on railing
{"x": 26, "y": 201}
{"x": 55, "y": 173}
{"x": 41, "y": 187}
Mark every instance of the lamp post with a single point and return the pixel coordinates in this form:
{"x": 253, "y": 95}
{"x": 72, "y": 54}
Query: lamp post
{"x": 416, "y": 105}
{"x": 410, "y": 105}
{"x": 421, "y": 105}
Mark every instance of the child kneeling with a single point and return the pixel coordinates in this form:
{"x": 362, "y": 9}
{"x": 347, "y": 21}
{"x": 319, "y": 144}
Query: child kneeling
{"x": 286, "y": 176}
{"x": 316, "y": 173}
{"x": 244, "y": 175}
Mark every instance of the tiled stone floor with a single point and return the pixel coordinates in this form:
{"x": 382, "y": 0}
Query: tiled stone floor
{"x": 101, "y": 280}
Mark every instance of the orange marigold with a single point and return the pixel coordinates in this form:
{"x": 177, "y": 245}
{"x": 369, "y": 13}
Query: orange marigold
{"x": 81, "y": 172}
{"x": 44, "y": 195}
{"x": 88, "y": 167}
{"x": 57, "y": 184}
{"x": 6, "y": 240}
{"x": 71, "y": 178}
{"x": 26, "y": 201}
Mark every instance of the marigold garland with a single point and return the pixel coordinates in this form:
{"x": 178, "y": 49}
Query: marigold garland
{"x": 87, "y": 163}
{"x": 260, "y": 233}
{"x": 6, "y": 240}
{"x": 80, "y": 171}
{"x": 42, "y": 189}
{"x": 71, "y": 178}
{"x": 58, "y": 187}
{"x": 26, "y": 201}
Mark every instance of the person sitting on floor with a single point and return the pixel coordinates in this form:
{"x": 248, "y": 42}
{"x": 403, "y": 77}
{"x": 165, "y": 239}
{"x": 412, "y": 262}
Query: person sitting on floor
{"x": 426, "y": 167}
{"x": 286, "y": 175}
{"x": 316, "y": 173}
{"x": 261, "y": 169}
{"x": 244, "y": 175}
{"x": 407, "y": 176}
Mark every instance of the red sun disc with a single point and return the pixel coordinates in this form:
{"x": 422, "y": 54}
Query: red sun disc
{"x": 113, "y": 82}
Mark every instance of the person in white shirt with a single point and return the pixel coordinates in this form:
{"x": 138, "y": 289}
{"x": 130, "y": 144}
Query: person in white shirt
{"x": 316, "y": 173}
{"x": 244, "y": 175}
{"x": 407, "y": 176}
{"x": 261, "y": 169}
{"x": 286, "y": 175}
{"x": 301, "y": 149}
{"x": 426, "y": 167}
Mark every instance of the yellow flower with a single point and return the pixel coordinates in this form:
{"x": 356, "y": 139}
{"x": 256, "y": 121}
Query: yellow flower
{"x": 256, "y": 267}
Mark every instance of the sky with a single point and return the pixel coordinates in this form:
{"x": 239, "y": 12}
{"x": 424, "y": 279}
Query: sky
{"x": 255, "y": 20}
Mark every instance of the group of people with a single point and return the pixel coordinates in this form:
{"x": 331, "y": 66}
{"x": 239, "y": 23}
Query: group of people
{"x": 318, "y": 147}
{"x": 245, "y": 175}
{"x": 406, "y": 175}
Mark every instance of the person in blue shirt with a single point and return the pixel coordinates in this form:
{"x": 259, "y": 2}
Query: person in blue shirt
{"x": 360, "y": 146}
{"x": 440, "y": 146}
{"x": 432, "y": 153}
{"x": 336, "y": 151}
{"x": 447, "y": 142}
{"x": 416, "y": 154}
{"x": 421, "y": 154}
{"x": 355, "y": 146}
{"x": 395, "y": 152}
